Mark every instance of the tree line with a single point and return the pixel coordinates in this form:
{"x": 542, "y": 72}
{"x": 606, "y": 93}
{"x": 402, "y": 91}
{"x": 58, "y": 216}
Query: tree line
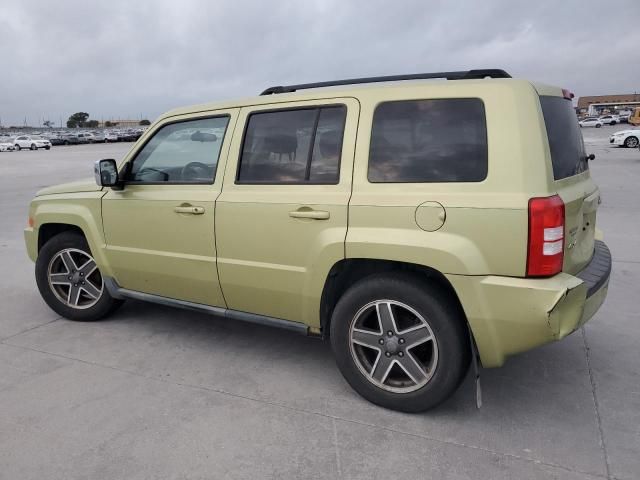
{"x": 81, "y": 120}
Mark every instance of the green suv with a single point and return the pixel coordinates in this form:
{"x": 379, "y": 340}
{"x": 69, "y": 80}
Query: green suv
{"x": 419, "y": 225}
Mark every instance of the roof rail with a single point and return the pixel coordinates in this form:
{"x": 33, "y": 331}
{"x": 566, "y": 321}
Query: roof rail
{"x": 463, "y": 75}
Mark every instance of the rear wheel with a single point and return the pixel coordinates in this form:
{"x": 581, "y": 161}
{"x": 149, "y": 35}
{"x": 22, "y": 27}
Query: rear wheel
{"x": 70, "y": 281}
{"x": 631, "y": 142}
{"x": 17, "y": 147}
{"x": 598, "y": 125}
{"x": 400, "y": 342}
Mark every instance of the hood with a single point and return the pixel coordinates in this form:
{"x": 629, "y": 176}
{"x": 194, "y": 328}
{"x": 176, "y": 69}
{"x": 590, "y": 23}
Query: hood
{"x": 625, "y": 132}
{"x": 86, "y": 185}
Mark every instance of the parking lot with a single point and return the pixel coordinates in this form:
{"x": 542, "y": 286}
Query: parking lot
{"x": 156, "y": 392}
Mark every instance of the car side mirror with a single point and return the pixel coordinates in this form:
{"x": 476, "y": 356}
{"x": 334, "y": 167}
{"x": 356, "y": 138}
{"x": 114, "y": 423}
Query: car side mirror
{"x": 106, "y": 173}
{"x": 590, "y": 157}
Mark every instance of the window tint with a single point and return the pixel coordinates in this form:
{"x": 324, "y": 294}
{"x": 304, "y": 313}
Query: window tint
{"x": 429, "y": 141}
{"x": 565, "y": 139}
{"x": 184, "y": 152}
{"x": 293, "y": 146}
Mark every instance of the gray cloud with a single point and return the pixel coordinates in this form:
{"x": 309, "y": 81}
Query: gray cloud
{"x": 126, "y": 59}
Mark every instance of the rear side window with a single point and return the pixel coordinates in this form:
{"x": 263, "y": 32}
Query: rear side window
{"x": 293, "y": 146}
{"x": 565, "y": 139}
{"x": 429, "y": 141}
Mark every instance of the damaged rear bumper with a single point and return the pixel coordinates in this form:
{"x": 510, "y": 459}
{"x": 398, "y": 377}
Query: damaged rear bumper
{"x": 512, "y": 315}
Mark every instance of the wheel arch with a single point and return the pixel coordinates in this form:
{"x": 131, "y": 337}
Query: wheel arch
{"x": 49, "y": 230}
{"x": 347, "y": 272}
{"x": 80, "y": 214}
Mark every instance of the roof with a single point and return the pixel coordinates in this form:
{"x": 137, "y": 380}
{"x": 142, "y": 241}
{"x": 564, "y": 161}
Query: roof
{"x": 352, "y": 91}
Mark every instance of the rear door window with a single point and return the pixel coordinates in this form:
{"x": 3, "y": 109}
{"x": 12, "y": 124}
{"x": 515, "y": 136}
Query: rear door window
{"x": 295, "y": 146}
{"x": 427, "y": 141}
{"x": 566, "y": 146}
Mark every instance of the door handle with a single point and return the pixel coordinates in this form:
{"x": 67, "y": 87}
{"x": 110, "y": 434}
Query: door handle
{"x": 313, "y": 214}
{"x": 189, "y": 209}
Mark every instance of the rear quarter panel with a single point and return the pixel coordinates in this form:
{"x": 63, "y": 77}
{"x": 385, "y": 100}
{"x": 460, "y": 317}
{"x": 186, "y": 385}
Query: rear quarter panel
{"x": 485, "y": 229}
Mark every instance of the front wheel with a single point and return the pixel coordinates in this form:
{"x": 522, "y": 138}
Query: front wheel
{"x": 33, "y": 146}
{"x": 598, "y": 126}
{"x": 631, "y": 142}
{"x": 70, "y": 281}
{"x": 400, "y": 342}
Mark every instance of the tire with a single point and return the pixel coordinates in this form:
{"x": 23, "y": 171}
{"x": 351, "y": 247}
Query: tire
{"x": 598, "y": 126}
{"x": 18, "y": 148}
{"x": 47, "y": 148}
{"x": 631, "y": 142}
{"x": 421, "y": 309}
{"x": 612, "y": 123}
{"x": 33, "y": 146}
{"x": 52, "y": 267}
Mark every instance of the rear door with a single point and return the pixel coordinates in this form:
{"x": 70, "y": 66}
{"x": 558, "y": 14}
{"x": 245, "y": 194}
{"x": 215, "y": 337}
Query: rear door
{"x": 281, "y": 219}
{"x": 572, "y": 180}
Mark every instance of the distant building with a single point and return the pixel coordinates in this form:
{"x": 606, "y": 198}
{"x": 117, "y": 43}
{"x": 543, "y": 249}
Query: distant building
{"x": 595, "y": 105}
{"x": 121, "y": 123}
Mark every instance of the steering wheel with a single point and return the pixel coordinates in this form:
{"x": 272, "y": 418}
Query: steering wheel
{"x": 195, "y": 171}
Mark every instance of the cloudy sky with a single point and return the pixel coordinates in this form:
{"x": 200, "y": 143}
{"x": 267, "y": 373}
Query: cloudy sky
{"x": 127, "y": 59}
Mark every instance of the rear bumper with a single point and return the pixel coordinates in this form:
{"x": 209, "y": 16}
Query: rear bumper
{"x": 512, "y": 315}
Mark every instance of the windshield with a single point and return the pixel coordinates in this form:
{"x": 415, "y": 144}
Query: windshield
{"x": 565, "y": 139}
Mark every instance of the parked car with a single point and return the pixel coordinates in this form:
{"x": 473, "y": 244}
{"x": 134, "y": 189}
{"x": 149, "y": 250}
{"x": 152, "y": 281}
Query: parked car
{"x": 450, "y": 252}
{"x": 626, "y": 138}
{"x": 624, "y": 115}
{"x": 609, "y": 119}
{"x": 6, "y": 145}
{"x": 31, "y": 142}
{"x": 85, "y": 138}
{"x": 110, "y": 137}
{"x": 130, "y": 136}
{"x": 56, "y": 140}
{"x": 70, "y": 139}
{"x": 591, "y": 122}
{"x": 98, "y": 137}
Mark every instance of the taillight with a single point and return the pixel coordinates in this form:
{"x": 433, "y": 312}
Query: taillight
{"x": 546, "y": 236}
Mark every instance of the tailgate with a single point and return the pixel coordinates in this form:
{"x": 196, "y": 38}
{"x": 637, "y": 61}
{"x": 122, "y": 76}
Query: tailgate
{"x": 581, "y": 202}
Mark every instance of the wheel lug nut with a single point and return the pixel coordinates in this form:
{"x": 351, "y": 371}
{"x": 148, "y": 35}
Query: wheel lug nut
{"x": 401, "y": 340}
{"x": 83, "y": 283}
{"x": 387, "y": 354}
{"x": 400, "y": 354}
{"x": 381, "y": 341}
{"x": 82, "y": 274}
{"x": 390, "y": 333}
{"x": 69, "y": 278}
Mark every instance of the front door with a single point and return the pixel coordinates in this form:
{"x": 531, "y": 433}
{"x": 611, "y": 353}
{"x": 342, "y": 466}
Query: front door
{"x": 160, "y": 229}
{"x": 281, "y": 219}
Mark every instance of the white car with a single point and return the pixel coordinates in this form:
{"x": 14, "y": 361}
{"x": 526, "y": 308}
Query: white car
{"x": 626, "y": 138}
{"x": 32, "y": 142}
{"x": 609, "y": 119}
{"x": 591, "y": 122}
{"x": 110, "y": 137}
{"x": 6, "y": 145}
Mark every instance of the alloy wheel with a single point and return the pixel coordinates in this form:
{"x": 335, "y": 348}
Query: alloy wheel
{"x": 393, "y": 346}
{"x": 75, "y": 279}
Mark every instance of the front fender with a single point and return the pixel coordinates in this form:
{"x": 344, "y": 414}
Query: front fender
{"x": 82, "y": 210}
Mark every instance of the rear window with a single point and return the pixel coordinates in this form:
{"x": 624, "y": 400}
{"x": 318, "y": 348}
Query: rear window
{"x": 565, "y": 139}
{"x": 428, "y": 141}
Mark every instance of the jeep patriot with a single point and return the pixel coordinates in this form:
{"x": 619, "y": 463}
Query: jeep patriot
{"x": 421, "y": 226}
